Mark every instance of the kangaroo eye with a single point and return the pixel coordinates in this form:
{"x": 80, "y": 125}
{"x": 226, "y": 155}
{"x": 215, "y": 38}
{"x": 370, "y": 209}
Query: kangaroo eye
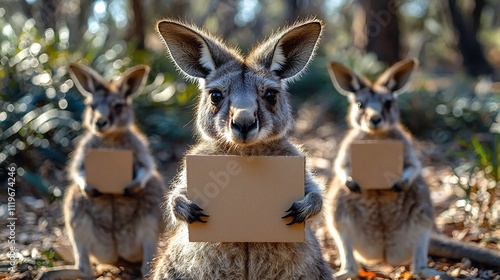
{"x": 118, "y": 108}
{"x": 361, "y": 106}
{"x": 215, "y": 96}
{"x": 271, "y": 97}
{"x": 388, "y": 104}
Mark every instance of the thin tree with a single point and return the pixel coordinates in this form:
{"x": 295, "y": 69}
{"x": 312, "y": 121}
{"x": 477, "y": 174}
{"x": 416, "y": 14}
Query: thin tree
{"x": 376, "y": 29}
{"x": 466, "y": 28}
{"x": 136, "y": 30}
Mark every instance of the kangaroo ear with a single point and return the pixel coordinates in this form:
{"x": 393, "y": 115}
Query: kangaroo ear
{"x": 85, "y": 78}
{"x": 133, "y": 80}
{"x": 397, "y": 76}
{"x": 287, "y": 53}
{"x": 195, "y": 52}
{"x": 344, "y": 80}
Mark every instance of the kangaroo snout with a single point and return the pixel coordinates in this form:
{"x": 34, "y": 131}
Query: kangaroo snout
{"x": 375, "y": 120}
{"x": 101, "y": 123}
{"x": 243, "y": 124}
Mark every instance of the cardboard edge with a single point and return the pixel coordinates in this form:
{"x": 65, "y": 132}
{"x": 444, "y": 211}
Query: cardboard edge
{"x": 189, "y": 157}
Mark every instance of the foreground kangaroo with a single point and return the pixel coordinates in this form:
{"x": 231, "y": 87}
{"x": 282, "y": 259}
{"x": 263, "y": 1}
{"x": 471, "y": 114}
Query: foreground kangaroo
{"x": 109, "y": 227}
{"x": 389, "y": 226}
{"x": 244, "y": 110}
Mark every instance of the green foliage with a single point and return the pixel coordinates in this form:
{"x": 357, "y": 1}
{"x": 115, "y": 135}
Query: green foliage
{"x": 448, "y": 111}
{"x": 47, "y": 258}
{"x": 478, "y": 177}
{"x": 489, "y": 158}
{"x": 41, "y": 108}
{"x": 483, "y": 157}
{"x": 476, "y": 171}
{"x": 453, "y": 113}
{"x": 38, "y": 120}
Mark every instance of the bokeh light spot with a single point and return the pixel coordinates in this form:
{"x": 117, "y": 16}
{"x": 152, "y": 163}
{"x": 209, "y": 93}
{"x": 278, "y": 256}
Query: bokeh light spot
{"x": 64, "y": 88}
{"x": 57, "y": 192}
{"x": 35, "y": 48}
{"x": 21, "y": 107}
{"x": 44, "y": 78}
{"x": 63, "y": 104}
{"x": 20, "y": 145}
{"x": 100, "y": 8}
{"x": 110, "y": 54}
{"x": 75, "y": 125}
{"x": 7, "y": 30}
{"x": 441, "y": 109}
{"x": 50, "y": 93}
{"x": 43, "y": 58}
{"x": 117, "y": 64}
{"x": 64, "y": 142}
{"x": 457, "y": 112}
{"x": 44, "y": 143}
{"x": 49, "y": 34}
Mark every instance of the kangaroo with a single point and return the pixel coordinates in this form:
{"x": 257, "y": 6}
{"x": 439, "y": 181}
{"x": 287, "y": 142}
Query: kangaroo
{"x": 390, "y": 226}
{"x": 243, "y": 110}
{"x": 109, "y": 227}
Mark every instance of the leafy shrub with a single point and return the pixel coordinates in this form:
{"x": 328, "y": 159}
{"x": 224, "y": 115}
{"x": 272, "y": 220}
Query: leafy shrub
{"x": 41, "y": 108}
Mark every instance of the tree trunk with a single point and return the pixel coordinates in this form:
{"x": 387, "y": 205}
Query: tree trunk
{"x": 473, "y": 58}
{"x": 136, "y": 30}
{"x": 78, "y": 24}
{"x": 380, "y": 30}
{"x": 476, "y": 14}
{"x": 49, "y": 12}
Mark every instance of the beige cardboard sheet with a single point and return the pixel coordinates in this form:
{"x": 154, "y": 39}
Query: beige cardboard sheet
{"x": 376, "y": 164}
{"x": 108, "y": 170}
{"x": 245, "y": 197}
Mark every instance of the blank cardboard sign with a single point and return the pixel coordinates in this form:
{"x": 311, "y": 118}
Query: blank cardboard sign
{"x": 376, "y": 164}
{"x": 245, "y": 197}
{"x": 108, "y": 170}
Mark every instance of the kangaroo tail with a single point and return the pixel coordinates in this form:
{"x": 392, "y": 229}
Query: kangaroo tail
{"x": 442, "y": 246}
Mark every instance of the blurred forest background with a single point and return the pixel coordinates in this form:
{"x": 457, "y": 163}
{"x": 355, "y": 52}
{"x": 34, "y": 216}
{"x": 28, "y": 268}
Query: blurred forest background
{"x": 454, "y": 102}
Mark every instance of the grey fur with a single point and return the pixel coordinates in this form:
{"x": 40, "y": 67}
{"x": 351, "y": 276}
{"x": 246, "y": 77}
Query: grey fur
{"x": 250, "y": 115}
{"x": 442, "y": 246}
{"x": 388, "y": 226}
{"x": 109, "y": 227}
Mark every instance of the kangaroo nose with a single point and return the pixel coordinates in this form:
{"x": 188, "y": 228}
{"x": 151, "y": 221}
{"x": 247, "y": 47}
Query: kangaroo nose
{"x": 100, "y": 123}
{"x": 244, "y": 122}
{"x": 244, "y": 126}
{"x": 375, "y": 120}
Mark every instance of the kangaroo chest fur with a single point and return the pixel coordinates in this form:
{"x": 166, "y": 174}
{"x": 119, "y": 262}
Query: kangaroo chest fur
{"x": 383, "y": 222}
{"x": 243, "y": 109}
{"x": 209, "y": 260}
{"x": 385, "y": 225}
{"x": 212, "y": 260}
{"x": 381, "y": 212}
{"x": 121, "y": 141}
{"x": 109, "y": 220}
{"x": 110, "y": 227}
{"x": 113, "y": 222}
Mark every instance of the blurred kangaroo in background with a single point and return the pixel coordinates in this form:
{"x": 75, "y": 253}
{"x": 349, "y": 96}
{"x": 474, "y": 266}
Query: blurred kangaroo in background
{"x": 389, "y": 226}
{"x": 243, "y": 109}
{"x": 103, "y": 226}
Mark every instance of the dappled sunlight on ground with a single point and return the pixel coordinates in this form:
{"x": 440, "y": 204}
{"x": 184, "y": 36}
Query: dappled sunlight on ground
{"x": 42, "y": 242}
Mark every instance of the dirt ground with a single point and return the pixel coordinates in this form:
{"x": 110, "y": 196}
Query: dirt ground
{"x": 41, "y": 241}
